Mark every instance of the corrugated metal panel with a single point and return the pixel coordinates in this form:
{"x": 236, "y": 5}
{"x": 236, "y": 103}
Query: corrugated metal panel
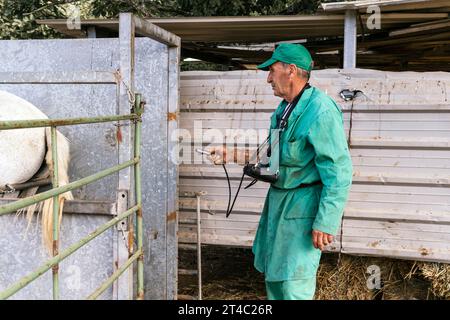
{"x": 399, "y": 202}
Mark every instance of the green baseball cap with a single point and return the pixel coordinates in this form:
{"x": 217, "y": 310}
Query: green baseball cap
{"x": 292, "y": 54}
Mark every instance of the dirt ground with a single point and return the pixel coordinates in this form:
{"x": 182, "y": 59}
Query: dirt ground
{"x": 228, "y": 274}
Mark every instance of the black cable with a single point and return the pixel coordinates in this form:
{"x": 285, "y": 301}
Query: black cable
{"x": 229, "y": 191}
{"x": 229, "y": 188}
{"x": 349, "y": 141}
{"x": 251, "y": 183}
{"x": 235, "y": 197}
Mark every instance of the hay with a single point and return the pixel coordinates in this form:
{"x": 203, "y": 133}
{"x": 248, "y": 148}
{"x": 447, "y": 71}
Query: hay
{"x": 228, "y": 274}
{"x": 350, "y": 280}
{"x": 346, "y": 281}
{"x": 439, "y": 276}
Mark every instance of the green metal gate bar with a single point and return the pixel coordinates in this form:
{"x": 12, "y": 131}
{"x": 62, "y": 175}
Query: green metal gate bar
{"x": 55, "y": 260}
{"x": 136, "y": 117}
{"x": 137, "y": 187}
{"x": 14, "y": 206}
{"x": 114, "y": 277}
{"x": 20, "y": 124}
{"x": 55, "y": 184}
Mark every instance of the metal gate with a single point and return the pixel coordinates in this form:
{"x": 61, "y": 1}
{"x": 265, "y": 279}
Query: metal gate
{"x": 127, "y": 197}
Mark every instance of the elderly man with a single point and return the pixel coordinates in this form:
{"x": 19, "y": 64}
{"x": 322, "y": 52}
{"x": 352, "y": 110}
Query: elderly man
{"x": 304, "y": 206}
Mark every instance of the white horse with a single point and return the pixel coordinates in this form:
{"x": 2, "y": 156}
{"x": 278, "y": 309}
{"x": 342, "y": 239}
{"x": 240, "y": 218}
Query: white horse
{"x": 22, "y": 153}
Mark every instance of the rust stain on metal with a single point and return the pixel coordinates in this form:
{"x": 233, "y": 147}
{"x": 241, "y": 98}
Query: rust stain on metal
{"x": 140, "y": 295}
{"x": 55, "y": 247}
{"x": 130, "y": 241}
{"x": 172, "y": 216}
{"x": 55, "y": 268}
{"x": 119, "y": 134}
{"x": 171, "y": 116}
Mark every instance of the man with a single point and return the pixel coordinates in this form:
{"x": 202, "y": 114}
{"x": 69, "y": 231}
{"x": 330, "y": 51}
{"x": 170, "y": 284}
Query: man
{"x": 304, "y": 207}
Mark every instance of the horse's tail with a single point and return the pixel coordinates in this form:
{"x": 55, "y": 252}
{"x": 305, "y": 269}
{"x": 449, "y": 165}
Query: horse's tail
{"x": 63, "y": 179}
{"x": 46, "y": 207}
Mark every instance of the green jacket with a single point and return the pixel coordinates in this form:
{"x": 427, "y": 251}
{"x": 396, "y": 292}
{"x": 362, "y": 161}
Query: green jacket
{"x": 312, "y": 147}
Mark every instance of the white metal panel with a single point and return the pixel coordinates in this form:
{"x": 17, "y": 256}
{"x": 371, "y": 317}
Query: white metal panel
{"x": 399, "y": 204}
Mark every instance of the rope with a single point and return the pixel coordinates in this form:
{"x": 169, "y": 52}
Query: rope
{"x": 130, "y": 93}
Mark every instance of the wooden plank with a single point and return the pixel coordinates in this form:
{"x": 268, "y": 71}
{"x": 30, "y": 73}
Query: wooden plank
{"x": 386, "y": 5}
{"x": 148, "y": 29}
{"x": 391, "y": 251}
{"x": 422, "y": 29}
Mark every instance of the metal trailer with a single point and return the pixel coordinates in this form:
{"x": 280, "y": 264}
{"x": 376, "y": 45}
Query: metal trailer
{"x": 93, "y": 81}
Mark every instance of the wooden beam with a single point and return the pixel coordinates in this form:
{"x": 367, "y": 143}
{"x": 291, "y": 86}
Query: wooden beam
{"x": 385, "y": 5}
{"x": 148, "y": 29}
{"x": 422, "y": 29}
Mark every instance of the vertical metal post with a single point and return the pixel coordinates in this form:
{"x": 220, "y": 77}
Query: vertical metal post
{"x": 124, "y": 286}
{"x": 172, "y": 176}
{"x": 138, "y": 196}
{"x": 91, "y": 32}
{"x": 350, "y": 39}
{"x": 55, "y": 184}
{"x": 199, "y": 250}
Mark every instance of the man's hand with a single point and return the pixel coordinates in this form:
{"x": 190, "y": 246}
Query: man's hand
{"x": 321, "y": 239}
{"x": 222, "y": 155}
{"x": 218, "y": 154}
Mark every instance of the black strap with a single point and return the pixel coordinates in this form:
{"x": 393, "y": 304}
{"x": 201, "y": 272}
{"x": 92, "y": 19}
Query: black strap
{"x": 282, "y": 123}
{"x": 301, "y": 185}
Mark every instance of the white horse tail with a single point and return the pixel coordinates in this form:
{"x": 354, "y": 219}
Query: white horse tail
{"x": 46, "y": 207}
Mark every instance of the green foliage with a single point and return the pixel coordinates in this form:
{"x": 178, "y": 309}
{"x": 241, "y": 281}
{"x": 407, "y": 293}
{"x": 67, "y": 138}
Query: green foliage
{"x": 18, "y": 17}
{"x": 143, "y": 8}
{"x": 246, "y": 7}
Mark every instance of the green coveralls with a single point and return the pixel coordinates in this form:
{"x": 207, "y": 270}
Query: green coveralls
{"x": 312, "y": 147}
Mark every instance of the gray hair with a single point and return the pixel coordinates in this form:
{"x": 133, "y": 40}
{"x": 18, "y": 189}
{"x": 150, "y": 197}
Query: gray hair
{"x": 302, "y": 73}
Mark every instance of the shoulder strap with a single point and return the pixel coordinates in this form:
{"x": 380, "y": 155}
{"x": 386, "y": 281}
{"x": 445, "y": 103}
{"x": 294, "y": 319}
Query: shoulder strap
{"x": 290, "y": 107}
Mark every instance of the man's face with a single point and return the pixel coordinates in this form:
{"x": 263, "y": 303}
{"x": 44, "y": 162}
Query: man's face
{"x": 279, "y": 79}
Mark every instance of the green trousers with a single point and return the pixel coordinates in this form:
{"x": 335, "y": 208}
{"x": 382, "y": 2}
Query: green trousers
{"x": 291, "y": 290}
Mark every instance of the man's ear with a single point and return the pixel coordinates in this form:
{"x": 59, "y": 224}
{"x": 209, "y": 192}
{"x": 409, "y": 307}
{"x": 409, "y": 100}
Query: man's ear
{"x": 292, "y": 69}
